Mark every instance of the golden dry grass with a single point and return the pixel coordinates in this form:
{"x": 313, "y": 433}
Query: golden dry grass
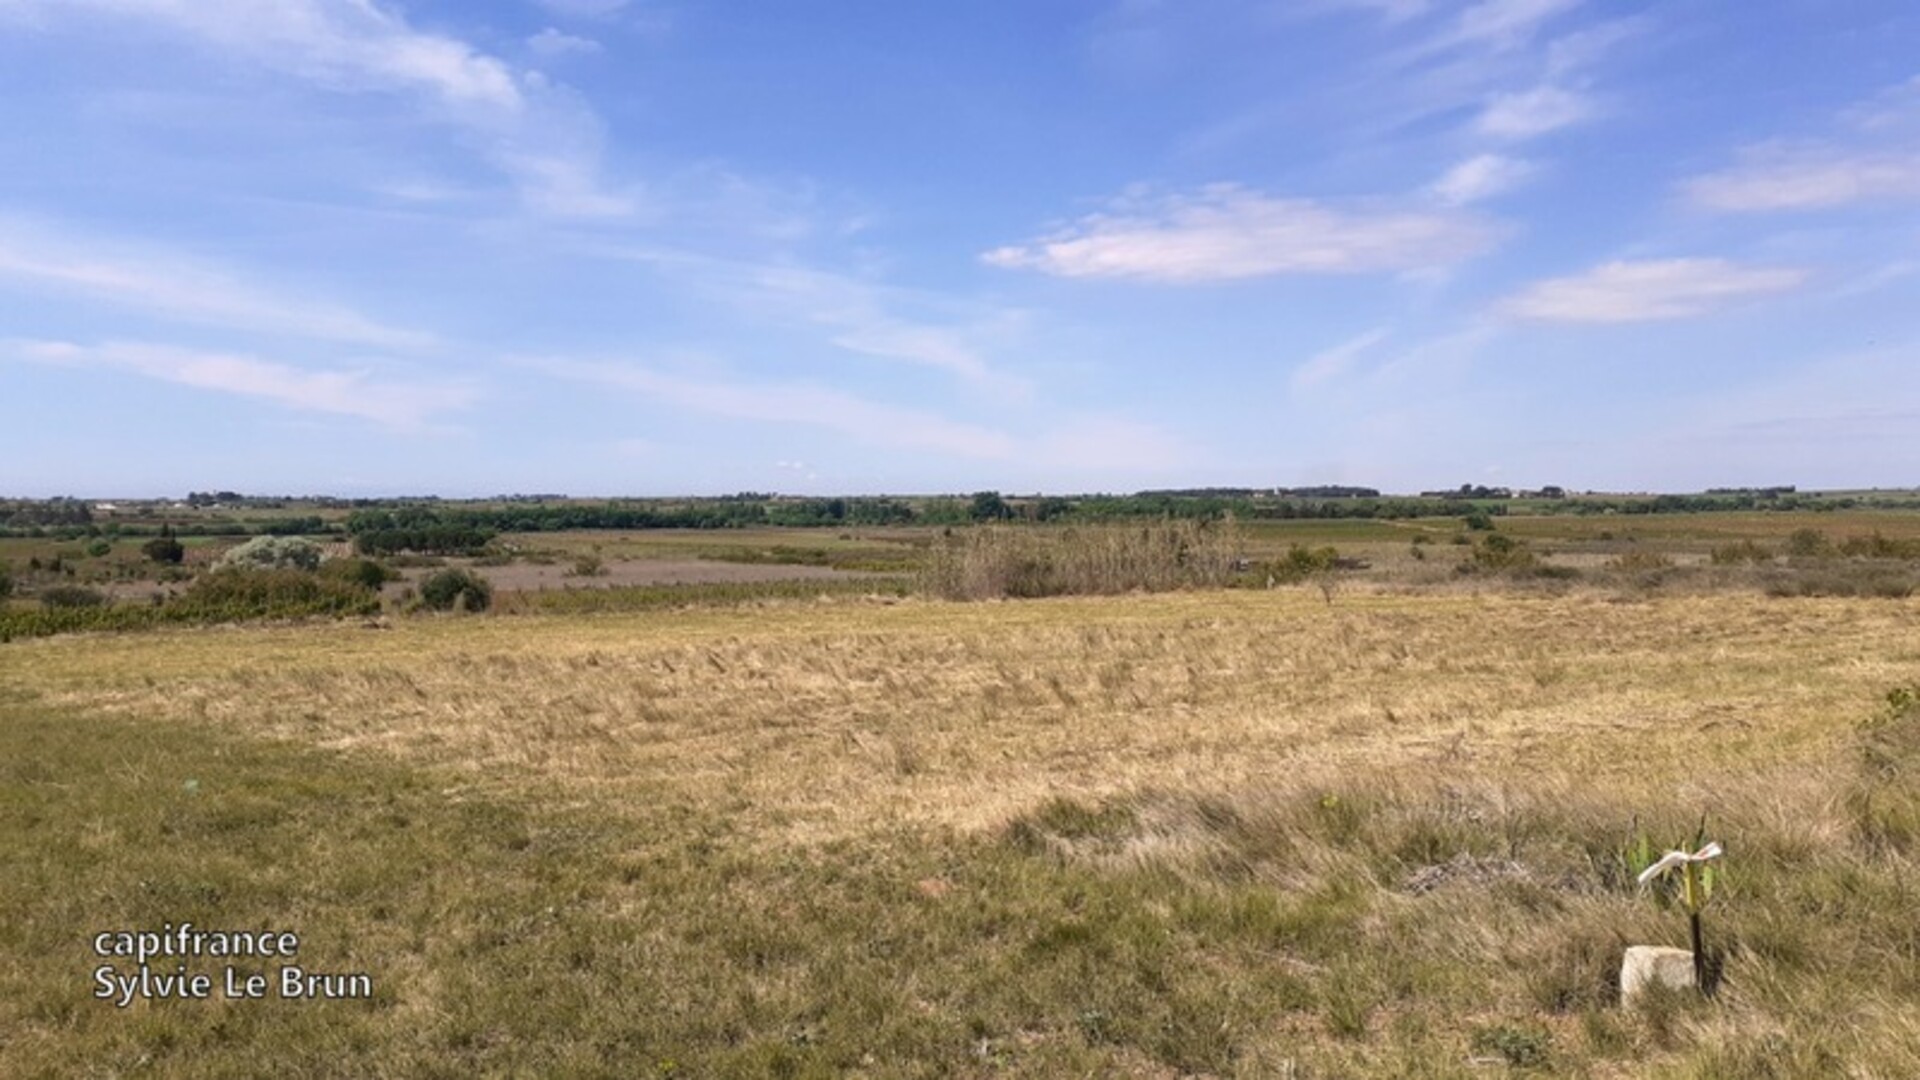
{"x": 820, "y": 720}
{"x": 1155, "y": 836}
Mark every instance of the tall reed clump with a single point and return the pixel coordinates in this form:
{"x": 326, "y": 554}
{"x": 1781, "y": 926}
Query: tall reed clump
{"x": 1010, "y": 561}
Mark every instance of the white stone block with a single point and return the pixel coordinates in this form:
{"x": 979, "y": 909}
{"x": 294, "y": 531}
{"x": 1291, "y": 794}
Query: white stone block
{"x": 1647, "y": 965}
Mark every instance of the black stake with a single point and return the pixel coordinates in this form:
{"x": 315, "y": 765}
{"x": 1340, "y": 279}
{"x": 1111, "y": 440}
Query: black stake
{"x": 1699, "y": 955}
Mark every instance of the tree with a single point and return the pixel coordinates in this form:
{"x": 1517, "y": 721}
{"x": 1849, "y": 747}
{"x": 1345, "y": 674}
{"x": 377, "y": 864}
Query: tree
{"x": 164, "y": 549}
{"x": 456, "y": 589}
{"x": 989, "y": 506}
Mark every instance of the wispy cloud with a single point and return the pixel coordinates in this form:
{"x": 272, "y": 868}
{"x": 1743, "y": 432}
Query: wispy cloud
{"x": 1331, "y": 363}
{"x": 1871, "y": 155}
{"x": 349, "y": 43}
{"x": 1495, "y": 24}
{"x": 180, "y": 288}
{"x": 1807, "y": 177}
{"x": 1654, "y": 289}
{"x": 1529, "y": 114}
{"x": 552, "y": 43}
{"x": 858, "y": 315}
{"x": 585, "y": 9}
{"x": 1392, "y": 11}
{"x": 1482, "y": 177}
{"x": 543, "y": 138}
{"x": 1224, "y": 231}
{"x": 358, "y": 392}
{"x": 1507, "y": 22}
{"x": 804, "y": 404}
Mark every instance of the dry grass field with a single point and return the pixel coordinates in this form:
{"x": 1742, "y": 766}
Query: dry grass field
{"x": 1248, "y": 833}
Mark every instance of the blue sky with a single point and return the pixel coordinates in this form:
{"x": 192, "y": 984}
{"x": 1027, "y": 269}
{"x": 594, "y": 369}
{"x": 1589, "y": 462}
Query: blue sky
{"x": 642, "y": 247}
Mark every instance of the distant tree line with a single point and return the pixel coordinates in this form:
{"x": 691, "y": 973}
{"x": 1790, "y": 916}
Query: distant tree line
{"x": 444, "y": 526}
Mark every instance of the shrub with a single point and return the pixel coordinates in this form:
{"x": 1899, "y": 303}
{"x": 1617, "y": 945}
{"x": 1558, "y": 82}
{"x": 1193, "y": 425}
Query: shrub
{"x": 1876, "y": 579}
{"x": 164, "y": 549}
{"x": 6, "y": 583}
{"x": 72, "y": 596}
{"x": 366, "y": 573}
{"x": 240, "y": 593}
{"x": 1745, "y": 551}
{"x": 1301, "y": 563}
{"x": 276, "y": 552}
{"x": 99, "y": 548}
{"x": 1500, "y": 552}
{"x": 1480, "y": 521}
{"x": 451, "y": 590}
{"x": 1876, "y": 546}
{"x": 1809, "y": 544}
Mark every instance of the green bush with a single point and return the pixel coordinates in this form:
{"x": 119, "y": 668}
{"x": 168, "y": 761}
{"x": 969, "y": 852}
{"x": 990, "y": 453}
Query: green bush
{"x": 99, "y": 548}
{"x": 1499, "y": 552}
{"x": 274, "y": 552}
{"x": 366, "y": 573}
{"x": 1809, "y": 544}
{"x": 238, "y": 593}
{"x": 72, "y": 596}
{"x": 164, "y": 549}
{"x": 461, "y": 590}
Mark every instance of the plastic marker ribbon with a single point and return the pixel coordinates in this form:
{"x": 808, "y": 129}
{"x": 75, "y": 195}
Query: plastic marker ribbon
{"x": 1675, "y": 859}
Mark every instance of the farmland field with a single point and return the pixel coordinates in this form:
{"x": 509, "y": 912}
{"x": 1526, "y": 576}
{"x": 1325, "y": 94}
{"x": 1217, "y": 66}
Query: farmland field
{"x": 1210, "y": 832}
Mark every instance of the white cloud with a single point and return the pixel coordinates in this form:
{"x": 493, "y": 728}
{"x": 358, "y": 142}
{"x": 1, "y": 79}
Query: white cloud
{"x": 1508, "y": 21}
{"x": 1497, "y": 25}
{"x": 176, "y": 287}
{"x": 359, "y": 393}
{"x": 1531, "y": 113}
{"x": 1334, "y": 362}
{"x": 1224, "y": 232}
{"x": 1578, "y": 50}
{"x": 1393, "y": 11}
{"x": 552, "y": 44}
{"x": 804, "y": 404}
{"x": 1481, "y": 177}
{"x": 1807, "y": 178}
{"x": 585, "y": 9}
{"x": 1873, "y": 155}
{"x": 1654, "y": 289}
{"x": 541, "y": 137}
{"x": 861, "y": 316}
{"x": 350, "y": 43}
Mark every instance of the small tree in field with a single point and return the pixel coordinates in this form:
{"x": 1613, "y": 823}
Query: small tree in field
{"x": 164, "y": 549}
{"x": 461, "y": 590}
